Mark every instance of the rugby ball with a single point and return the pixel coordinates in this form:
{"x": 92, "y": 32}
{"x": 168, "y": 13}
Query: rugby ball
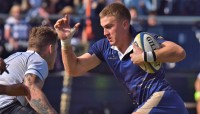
{"x": 146, "y": 42}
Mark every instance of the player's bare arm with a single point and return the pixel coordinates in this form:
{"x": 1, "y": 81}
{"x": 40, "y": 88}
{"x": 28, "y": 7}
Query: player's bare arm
{"x": 74, "y": 66}
{"x": 80, "y": 64}
{"x": 170, "y": 52}
{"x": 15, "y": 90}
{"x": 38, "y": 100}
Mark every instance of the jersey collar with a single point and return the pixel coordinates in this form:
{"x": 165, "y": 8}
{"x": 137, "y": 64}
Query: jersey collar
{"x": 130, "y": 48}
{"x": 120, "y": 54}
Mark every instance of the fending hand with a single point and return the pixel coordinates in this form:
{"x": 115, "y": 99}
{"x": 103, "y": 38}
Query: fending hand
{"x": 63, "y": 28}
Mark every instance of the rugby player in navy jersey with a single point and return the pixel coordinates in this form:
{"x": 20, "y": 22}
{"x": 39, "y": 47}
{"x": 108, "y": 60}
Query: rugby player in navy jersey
{"x": 150, "y": 91}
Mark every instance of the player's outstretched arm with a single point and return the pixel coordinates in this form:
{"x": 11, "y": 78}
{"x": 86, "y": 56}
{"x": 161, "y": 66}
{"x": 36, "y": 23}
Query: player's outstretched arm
{"x": 15, "y": 90}
{"x": 38, "y": 99}
{"x": 74, "y": 66}
{"x": 170, "y": 52}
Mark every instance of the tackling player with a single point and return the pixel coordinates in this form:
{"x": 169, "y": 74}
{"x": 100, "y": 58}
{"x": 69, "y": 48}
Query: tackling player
{"x": 30, "y": 68}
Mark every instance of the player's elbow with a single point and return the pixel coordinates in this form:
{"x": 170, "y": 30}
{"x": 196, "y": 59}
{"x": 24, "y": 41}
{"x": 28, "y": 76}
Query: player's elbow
{"x": 181, "y": 54}
{"x": 72, "y": 73}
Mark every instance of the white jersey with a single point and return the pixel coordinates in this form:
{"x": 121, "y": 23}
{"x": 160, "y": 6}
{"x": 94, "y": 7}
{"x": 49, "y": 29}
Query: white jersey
{"x": 19, "y": 64}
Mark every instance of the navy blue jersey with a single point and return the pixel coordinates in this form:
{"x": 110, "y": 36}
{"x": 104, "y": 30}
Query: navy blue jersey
{"x": 140, "y": 84}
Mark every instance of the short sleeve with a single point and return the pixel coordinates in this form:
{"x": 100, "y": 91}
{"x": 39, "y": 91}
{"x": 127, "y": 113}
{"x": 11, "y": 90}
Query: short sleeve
{"x": 98, "y": 49}
{"x": 38, "y": 68}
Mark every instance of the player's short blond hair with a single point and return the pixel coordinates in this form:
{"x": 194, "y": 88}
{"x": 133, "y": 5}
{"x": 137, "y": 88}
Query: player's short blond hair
{"x": 42, "y": 36}
{"x": 117, "y": 10}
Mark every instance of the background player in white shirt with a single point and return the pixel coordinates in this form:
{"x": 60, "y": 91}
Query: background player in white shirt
{"x": 30, "y": 68}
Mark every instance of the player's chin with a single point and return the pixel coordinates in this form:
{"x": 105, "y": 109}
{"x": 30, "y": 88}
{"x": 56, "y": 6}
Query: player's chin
{"x": 112, "y": 43}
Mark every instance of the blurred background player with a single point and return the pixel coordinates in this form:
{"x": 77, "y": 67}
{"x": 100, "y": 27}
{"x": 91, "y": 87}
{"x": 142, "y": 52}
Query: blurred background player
{"x": 16, "y": 31}
{"x": 31, "y": 68}
{"x": 135, "y": 21}
{"x": 153, "y": 26}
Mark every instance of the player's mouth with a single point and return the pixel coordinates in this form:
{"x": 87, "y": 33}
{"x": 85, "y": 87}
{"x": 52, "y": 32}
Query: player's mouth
{"x": 109, "y": 38}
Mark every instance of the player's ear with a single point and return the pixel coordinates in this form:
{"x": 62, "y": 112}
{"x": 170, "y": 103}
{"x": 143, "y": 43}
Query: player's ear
{"x": 126, "y": 24}
{"x": 50, "y": 49}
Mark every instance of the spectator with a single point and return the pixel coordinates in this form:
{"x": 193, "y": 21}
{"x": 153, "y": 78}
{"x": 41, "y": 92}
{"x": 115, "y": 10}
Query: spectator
{"x": 16, "y": 31}
{"x": 152, "y": 24}
{"x": 135, "y": 22}
{"x": 51, "y": 6}
{"x": 37, "y": 14}
{"x": 62, "y": 3}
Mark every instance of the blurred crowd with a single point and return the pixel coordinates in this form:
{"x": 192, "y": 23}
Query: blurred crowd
{"x": 18, "y": 16}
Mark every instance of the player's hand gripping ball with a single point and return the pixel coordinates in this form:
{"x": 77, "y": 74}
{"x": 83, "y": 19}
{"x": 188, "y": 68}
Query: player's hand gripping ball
{"x": 146, "y": 42}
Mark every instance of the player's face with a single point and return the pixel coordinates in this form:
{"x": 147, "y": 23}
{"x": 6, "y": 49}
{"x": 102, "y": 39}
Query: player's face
{"x": 112, "y": 29}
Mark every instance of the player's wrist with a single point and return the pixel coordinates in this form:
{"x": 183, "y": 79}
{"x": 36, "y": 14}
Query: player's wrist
{"x": 67, "y": 42}
{"x": 149, "y": 56}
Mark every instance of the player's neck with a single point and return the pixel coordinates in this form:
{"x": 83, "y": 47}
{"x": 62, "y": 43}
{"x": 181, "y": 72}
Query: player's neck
{"x": 125, "y": 43}
{"x": 39, "y": 51}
